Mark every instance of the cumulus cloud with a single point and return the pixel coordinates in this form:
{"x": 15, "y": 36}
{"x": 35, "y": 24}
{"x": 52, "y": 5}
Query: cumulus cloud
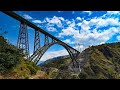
{"x": 52, "y": 29}
{"x": 69, "y": 31}
{"x": 37, "y": 21}
{"x": 99, "y": 22}
{"x": 27, "y": 16}
{"x": 84, "y": 31}
{"x": 85, "y": 25}
{"x": 49, "y": 23}
{"x": 113, "y": 12}
{"x": 79, "y": 24}
{"x": 88, "y": 35}
{"x": 118, "y": 38}
{"x": 55, "y": 21}
{"x": 78, "y": 18}
{"x": 95, "y": 37}
{"x": 89, "y": 12}
{"x": 79, "y": 47}
{"x": 68, "y": 41}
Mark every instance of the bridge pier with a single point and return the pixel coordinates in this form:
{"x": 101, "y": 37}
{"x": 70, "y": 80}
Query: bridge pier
{"x": 23, "y": 39}
{"x": 38, "y": 50}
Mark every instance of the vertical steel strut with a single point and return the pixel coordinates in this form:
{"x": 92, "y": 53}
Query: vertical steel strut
{"x": 36, "y": 41}
{"x": 22, "y": 42}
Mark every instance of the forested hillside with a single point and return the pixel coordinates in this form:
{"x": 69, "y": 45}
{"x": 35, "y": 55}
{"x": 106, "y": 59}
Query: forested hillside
{"x": 13, "y": 65}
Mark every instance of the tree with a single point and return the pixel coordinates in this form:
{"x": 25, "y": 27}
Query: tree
{"x": 10, "y": 55}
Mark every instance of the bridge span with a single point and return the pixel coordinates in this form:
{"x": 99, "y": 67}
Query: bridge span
{"x": 49, "y": 40}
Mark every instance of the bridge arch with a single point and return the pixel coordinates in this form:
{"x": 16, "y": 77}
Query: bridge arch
{"x": 43, "y": 49}
{"x": 52, "y": 48}
{"x": 23, "y": 37}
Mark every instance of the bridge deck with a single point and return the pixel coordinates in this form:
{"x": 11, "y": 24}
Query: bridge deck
{"x": 21, "y": 19}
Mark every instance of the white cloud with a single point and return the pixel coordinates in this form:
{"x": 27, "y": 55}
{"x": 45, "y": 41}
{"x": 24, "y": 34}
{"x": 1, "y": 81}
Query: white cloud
{"x": 68, "y": 22}
{"x": 95, "y": 37}
{"x": 27, "y": 16}
{"x": 69, "y": 31}
{"x": 61, "y": 18}
{"x": 52, "y": 29}
{"x": 88, "y": 32}
{"x": 113, "y": 12}
{"x": 106, "y": 22}
{"x": 52, "y": 54}
{"x": 85, "y": 25}
{"x": 79, "y": 47}
{"x": 79, "y": 24}
{"x": 68, "y": 41}
{"x": 88, "y": 35}
{"x": 55, "y": 20}
{"x": 100, "y": 22}
{"x": 118, "y": 38}
{"x": 37, "y": 21}
{"x": 102, "y": 42}
{"x": 89, "y": 12}
{"x": 78, "y": 18}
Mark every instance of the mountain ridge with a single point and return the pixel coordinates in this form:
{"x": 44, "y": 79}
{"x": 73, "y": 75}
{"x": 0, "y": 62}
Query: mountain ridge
{"x": 96, "y": 62}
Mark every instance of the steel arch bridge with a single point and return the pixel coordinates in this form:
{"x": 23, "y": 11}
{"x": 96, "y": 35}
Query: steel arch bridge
{"x": 39, "y": 50}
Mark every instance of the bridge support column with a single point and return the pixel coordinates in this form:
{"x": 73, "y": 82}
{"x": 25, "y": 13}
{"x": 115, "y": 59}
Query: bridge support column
{"x": 23, "y": 39}
{"x": 36, "y": 41}
{"x": 74, "y": 55}
{"x": 46, "y": 41}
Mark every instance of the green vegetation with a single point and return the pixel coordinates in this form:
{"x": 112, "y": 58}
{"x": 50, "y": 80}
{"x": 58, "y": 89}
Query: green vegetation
{"x": 9, "y": 56}
{"x": 103, "y": 63}
{"x": 59, "y": 69}
{"x": 13, "y": 65}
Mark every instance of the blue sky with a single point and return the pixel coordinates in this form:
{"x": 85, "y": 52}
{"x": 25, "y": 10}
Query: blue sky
{"x": 85, "y": 28}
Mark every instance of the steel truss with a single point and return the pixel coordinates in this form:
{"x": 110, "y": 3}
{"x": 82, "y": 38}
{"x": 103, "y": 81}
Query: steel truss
{"x": 22, "y": 42}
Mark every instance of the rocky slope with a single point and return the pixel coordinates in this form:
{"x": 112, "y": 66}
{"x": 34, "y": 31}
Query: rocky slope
{"x": 103, "y": 62}
{"x": 96, "y": 62}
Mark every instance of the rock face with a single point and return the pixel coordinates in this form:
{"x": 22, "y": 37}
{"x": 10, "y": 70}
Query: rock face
{"x": 103, "y": 62}
{"x": 96, "y": 62}
{"x": 60, "y": 69}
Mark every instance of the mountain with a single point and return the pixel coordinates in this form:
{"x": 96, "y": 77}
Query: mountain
{"x": 103, "y": 62}
{"x": 59, "y": 69}
{"x": 96, "y": 62}
{"x": 53, "y": 59}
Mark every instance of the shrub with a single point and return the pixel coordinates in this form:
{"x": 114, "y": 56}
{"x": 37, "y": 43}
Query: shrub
{"x": 9, "y": 56}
